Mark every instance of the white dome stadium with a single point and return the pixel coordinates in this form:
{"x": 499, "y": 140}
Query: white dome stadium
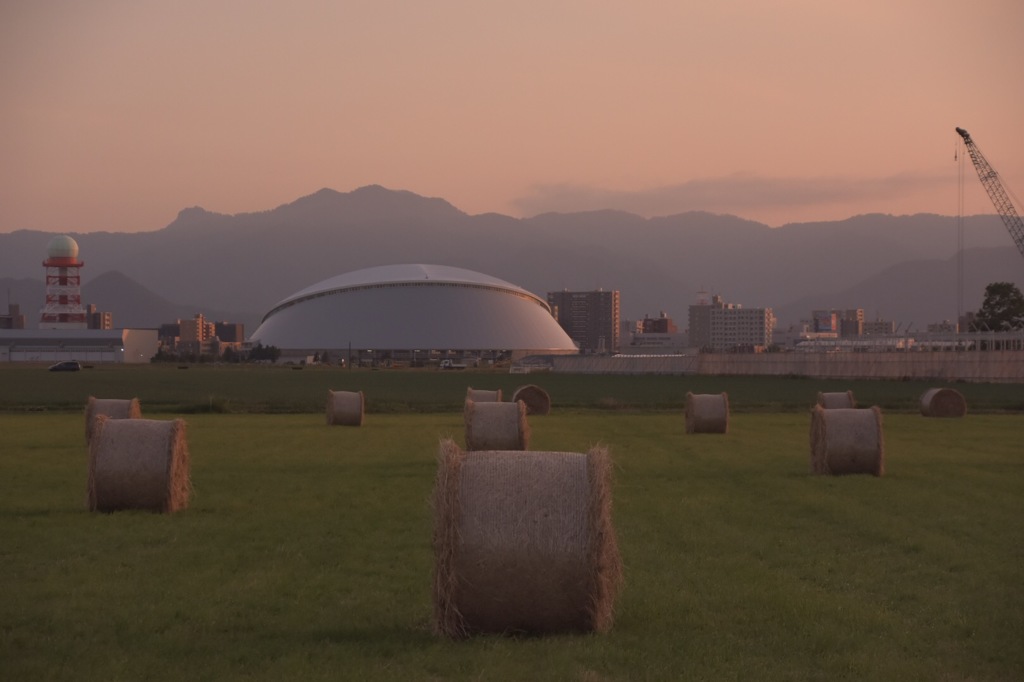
{"x": 413, "y": 307}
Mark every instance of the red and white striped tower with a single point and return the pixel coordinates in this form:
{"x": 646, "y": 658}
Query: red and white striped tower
{"x": 63, "y": 309}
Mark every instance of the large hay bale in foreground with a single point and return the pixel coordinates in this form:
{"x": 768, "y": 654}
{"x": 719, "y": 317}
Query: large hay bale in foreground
{"x": 847, "y": 441}
{"x": 480, "y": 395}
{"x": 707, "y": 412}
{"x": 523, "y": 542}
{"x": 109, "y": 407}
{"x": 345, "y": 408}
{"x": 496, "y": 426}
{"x": 536, "y": 398}
{"x": 943, "y": 402}
{"x": 837, "y": 400}
{"x": 138, "y": 464}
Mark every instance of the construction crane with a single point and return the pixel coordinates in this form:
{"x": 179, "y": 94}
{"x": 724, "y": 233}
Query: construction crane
{"x": 990, "y": 180}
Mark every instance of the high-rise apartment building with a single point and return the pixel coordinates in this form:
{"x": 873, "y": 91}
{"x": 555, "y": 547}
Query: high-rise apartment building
{"x": 590, "y": 318}
{"x": 719, "y": 325}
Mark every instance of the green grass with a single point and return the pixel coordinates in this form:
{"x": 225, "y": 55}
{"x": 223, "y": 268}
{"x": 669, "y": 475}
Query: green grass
{"x": 235, "y": 389}
{"x": 305, "y": 555}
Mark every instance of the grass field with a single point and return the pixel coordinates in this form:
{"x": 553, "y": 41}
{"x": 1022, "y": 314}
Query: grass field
{"x": 233, "y": 388}
{"x": 305, "y": 554}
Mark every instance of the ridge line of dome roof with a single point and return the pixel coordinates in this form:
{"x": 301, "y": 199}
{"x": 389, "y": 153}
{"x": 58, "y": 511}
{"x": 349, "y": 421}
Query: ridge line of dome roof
{"x": 309, "y": 293}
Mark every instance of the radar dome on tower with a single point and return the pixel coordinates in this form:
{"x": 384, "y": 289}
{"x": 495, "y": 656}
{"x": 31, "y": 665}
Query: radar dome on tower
{"x": 62, "y": 246}
{"x": 63, "y": 309}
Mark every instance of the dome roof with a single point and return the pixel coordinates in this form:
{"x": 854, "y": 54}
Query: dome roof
{"x": 407, "y": 307}
{"x": 62, "y": 246}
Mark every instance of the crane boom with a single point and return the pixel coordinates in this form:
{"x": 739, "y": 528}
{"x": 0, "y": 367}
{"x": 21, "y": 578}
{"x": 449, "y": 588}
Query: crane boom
{"x": 990, "y": 180}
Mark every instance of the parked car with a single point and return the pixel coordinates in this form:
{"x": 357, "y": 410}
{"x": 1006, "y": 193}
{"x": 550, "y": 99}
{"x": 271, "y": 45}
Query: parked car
{"x": 66, "y": 366}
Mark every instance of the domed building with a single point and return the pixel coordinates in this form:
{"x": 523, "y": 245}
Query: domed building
{"x": 413, "y": 312}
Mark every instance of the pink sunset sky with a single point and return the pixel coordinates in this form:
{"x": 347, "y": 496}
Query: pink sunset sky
{"x": 116, "y": 114}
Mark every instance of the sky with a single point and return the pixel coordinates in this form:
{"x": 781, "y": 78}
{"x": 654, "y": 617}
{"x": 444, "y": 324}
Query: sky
{"x": 117, "y": 114}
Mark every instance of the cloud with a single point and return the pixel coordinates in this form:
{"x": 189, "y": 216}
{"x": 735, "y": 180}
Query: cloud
{"x": 738, "y": 194}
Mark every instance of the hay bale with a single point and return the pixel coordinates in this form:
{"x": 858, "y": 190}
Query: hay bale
{"x": 345, "y": 408}
{"x": 496, "y": 426}
{"x": 536, "y": 398}
{"x": 707, "y": 413}
{"x": 523, "y": 542}
{"x": 943, "y": 402}
{"x": 480, "y": 395}
{"x": 837, "y": 401}
{"x": 138, "y": 464}
{"x": 847, "y": 441}
{"x": 109, "y": 407}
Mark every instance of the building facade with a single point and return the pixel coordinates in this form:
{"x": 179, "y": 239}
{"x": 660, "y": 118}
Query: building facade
{"x": 98, "y": 319}
{"x": 14, "y": 319}
{"x": 590, "y": 318}
{"x": 721, "y": 326}
{"x": 844, "y": 323}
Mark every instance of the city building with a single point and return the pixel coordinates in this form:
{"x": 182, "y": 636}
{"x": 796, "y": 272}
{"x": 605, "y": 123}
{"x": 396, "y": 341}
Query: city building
{"x": 845, "y": 323}
{"x": 96, "y": 319}
{"x": 201, "y": 337}
{"x": 590, "y": 318}
{"x": 718, "y": 325}
{"x": 662, "y": 324}
{"x": 652, "y": 336}
{"x": 944, "y": 327}
{"x": 14, "y": 319}
{"x": 195, "y": 335}
{"x": 879, "y": 328}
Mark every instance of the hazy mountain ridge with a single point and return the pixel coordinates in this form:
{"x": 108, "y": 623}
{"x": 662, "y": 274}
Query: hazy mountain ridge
{"x": 241, "y": 265}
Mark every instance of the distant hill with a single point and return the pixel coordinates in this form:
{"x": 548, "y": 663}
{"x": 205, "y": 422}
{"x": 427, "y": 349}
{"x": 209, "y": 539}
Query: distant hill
{"x": 241, "y": 265}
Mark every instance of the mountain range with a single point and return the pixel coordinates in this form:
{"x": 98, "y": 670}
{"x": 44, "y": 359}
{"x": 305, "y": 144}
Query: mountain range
{"x": 236, "y": 267}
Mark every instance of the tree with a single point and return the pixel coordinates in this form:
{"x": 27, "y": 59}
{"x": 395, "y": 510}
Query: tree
{"x": 260, "y": 352}
{"x": 1002, "y": 309}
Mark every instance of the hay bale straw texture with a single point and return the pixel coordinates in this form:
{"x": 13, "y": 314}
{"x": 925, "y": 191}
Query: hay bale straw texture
{"x": 139, "y": 464}
{"x": 480, "y": 395}
{"x": 847, "y": 441}
{"x": 707, "y": 413}
{"x": 943, "y": 402}
{"x": 345, "y": 408}
{"x": 536, "y": 398}
{"x": 496, "y": 426}
{"x": 109, "y": 407}
{"x": 523, "y": 542}
{"x": 837, "y": 401}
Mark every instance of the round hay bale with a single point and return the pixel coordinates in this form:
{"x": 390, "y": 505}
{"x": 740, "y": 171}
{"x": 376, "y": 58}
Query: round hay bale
{"x": 837, "y": 401}
{"x": 109, "y": 407}
{"x": 345, "y": 408}
{"x": 523, "y": 542}
{"x": 707, "y": 413}
{"x": 847, "y": 441}
{"x": 480, "y": 395}
{"x": 943, "y": 402}
{"x": 138, "y": 464}
{"x": 496, "y": 426}
{"x": 536, "y": 398}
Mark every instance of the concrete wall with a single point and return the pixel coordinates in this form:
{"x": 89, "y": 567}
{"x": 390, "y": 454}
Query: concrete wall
{"x": 989, "y": 366}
